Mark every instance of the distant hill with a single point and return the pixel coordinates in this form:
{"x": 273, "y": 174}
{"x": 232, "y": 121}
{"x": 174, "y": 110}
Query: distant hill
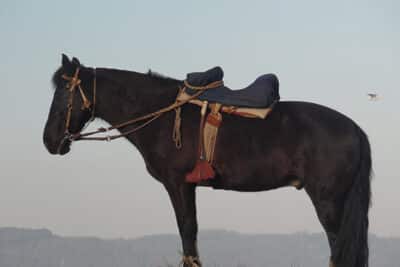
{"x": 41, "y": 248}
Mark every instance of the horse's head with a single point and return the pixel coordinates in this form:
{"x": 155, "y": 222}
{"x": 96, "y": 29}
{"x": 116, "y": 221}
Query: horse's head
{"x": 70, "y": 108}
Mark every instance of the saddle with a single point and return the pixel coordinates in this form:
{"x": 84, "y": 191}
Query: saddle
{"x": 254, "y": 101}
{"x": 259, "y": 94}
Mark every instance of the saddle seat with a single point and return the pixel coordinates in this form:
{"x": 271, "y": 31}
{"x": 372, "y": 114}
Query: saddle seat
{"x": 262, "y": 93}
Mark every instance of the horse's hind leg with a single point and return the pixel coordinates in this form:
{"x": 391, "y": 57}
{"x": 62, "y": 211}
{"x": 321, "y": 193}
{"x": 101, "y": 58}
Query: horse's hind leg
{"x": 328, "y": 212}
{"x": 183, "y": 200}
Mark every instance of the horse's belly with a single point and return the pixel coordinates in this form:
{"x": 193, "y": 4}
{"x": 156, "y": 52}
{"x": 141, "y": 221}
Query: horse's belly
{"x": 245, "y": 184}
{"x": 252, "y": 172}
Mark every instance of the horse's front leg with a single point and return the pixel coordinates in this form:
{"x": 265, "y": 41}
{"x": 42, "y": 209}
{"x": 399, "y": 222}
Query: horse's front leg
{"x": 183, "y": 200}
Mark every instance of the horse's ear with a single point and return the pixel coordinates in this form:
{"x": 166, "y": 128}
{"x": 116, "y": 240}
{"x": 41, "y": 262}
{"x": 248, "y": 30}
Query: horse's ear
{"x": 65, "y": 60}
{"x": 76, "y": 62}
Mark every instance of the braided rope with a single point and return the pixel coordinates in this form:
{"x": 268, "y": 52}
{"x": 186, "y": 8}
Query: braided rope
{"x": 176, "y": 133}
{"x": 206, "y": 87}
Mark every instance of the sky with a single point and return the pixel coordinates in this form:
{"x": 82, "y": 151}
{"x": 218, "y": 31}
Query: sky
{"x": 329, "y": 52}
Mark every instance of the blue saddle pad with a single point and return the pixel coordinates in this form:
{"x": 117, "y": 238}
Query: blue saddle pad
{"x": 262, "y": 93}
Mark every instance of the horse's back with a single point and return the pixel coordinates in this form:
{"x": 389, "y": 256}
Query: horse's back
{"x": 313, "y": 113}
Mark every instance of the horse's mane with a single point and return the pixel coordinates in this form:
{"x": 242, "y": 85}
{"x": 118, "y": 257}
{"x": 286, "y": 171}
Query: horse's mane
{"x": 160, "y": 78}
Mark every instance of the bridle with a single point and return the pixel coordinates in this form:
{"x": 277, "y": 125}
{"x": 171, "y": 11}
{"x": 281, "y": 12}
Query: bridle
{"x": 75, "y": 83}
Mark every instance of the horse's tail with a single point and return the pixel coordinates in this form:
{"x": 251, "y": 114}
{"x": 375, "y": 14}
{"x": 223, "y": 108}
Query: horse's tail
{"x": 352, "y": 242}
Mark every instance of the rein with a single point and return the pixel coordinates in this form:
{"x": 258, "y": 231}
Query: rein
{"x": 149, "y": 117}
{"x": 74, "y": 82}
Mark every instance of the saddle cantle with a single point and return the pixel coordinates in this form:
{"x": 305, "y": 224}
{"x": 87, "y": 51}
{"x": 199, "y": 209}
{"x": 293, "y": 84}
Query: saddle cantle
{"x": 262, "y": 93}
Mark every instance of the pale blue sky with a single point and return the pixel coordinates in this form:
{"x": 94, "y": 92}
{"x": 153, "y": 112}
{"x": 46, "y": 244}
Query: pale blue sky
{"x": 329, "y": 52}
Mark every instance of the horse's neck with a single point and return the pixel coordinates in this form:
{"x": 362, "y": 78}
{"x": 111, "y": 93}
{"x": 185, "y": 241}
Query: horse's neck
{"x": 137, "y": 95}
{"x": 125, "y": 95}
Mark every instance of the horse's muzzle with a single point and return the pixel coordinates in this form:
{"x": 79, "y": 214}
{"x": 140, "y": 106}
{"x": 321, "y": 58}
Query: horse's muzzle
{"x": 61, "y": 147}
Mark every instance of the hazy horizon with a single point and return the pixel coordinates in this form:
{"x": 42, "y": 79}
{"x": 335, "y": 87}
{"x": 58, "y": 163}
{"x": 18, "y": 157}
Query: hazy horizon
{"x": 176, "y": 233}
{"x": 29, "y": 248}
{"x": 331, "y": 53}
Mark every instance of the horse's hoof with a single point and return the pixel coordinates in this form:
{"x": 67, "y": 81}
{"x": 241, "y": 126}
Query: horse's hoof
{"x": 190, "y": 261}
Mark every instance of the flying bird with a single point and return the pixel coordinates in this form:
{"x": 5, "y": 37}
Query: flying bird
{"x": 373, "y": 96}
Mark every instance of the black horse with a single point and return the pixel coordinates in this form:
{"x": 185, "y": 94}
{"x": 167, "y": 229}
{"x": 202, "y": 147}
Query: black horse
{"x": 299, "y": 143}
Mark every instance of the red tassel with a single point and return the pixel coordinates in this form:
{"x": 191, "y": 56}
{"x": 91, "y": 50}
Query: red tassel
{"x": 202, "y": 171}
